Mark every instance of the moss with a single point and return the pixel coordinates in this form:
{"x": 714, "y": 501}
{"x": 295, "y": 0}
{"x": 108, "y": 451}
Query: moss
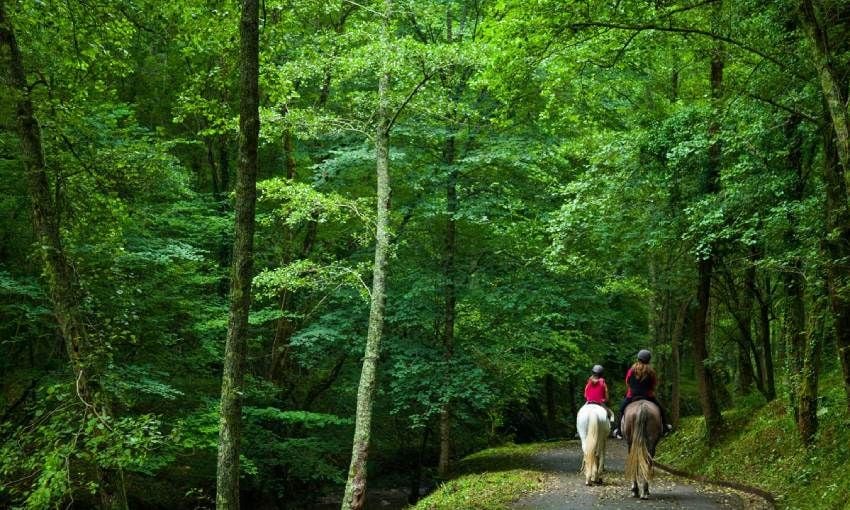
{"x": 489, "y": 480}
{"x": 761, "y": 448}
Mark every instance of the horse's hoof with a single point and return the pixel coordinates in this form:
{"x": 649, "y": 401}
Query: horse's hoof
{"x": 587, "y": 482}
{"x": 635, "y": 494}
{"x": 599, "y": 481}
{"x": 645, "y": 497}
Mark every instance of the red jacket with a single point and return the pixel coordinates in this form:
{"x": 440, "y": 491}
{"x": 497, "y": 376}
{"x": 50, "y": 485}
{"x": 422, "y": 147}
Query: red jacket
{"x": 596, "y": 391}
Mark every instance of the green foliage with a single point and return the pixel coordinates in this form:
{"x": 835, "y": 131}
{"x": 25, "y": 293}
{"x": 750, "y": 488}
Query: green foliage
{"x": 762, "y": 449}
{"x": 577, "y": 152}
{"x": 488, "y": 480}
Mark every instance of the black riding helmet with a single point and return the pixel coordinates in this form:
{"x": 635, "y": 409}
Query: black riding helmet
{"x": 644, "y": 356}
{"x": 597, "y": 370}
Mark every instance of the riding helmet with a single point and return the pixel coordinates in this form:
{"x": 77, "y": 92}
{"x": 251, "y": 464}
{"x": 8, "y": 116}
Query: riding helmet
{"x": 597, "y": 370}
{"x": 644, "y": 356}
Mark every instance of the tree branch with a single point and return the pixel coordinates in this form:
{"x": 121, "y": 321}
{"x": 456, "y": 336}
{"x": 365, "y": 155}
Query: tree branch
{"x": 680, "y": 30}
{"x": 407, "y": 99}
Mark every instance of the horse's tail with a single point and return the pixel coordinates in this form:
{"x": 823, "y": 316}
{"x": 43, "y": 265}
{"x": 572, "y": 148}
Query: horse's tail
{"x": 590, "y": 444}
{"x": 639, "y": 461}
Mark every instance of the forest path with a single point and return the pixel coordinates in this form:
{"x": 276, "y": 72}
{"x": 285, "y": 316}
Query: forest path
{"x": 566, "y": 490}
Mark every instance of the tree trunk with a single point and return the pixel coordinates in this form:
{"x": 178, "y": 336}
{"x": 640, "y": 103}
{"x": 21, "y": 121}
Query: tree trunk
{"x": 746, "y": 376}
{"x": 807, "y": 419}
{"x": 355, "y": 487}
{"x": 795, "y": 304}
{"x": 450, "y": 297}
{"x": 705, "y": 267}
{"x": 767, "y": 371}
{"x": 675, "y": 363}
{"x": 833, "y": 85}
{"x": 232, "y": 384}
{"x": 837, "y": 245}
{"x": 62, "y": 284}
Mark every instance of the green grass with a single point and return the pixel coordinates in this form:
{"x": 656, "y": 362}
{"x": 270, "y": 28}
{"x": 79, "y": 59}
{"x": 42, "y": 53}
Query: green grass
{"x": 762, "y": 449}
{"x": 489, "y": 480}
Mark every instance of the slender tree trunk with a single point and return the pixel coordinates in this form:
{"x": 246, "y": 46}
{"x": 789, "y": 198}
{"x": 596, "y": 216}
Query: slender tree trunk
{"x": 232, "y": 384}
{"x": 355, "y": 487}
{"x": 792, "y": 278}
{"x": 705, "y": 267}
{"x": 61, "y": 280}
{"x": 807, "y": 419}
{"x": 745, "y": 368}
{"x": 450, "y": 296}
{"x": 768, "y": 375}
{"x": 675, "y": 363}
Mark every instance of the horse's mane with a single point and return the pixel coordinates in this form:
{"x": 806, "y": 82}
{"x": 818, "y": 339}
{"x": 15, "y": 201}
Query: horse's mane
{"x": 641, "y": 370}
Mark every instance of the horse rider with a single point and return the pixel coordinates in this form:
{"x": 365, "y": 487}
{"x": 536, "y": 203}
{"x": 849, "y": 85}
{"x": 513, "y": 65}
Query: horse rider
{"x": 596, "y": 391}
{"x": 641, "y": 382}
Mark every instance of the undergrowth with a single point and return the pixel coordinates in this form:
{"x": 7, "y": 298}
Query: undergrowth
{"x": 489, "y": 480}
{"x": 761, "y": 448}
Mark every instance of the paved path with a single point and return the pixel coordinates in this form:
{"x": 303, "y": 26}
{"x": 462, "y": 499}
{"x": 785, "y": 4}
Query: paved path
{"x": 566, "y": 489}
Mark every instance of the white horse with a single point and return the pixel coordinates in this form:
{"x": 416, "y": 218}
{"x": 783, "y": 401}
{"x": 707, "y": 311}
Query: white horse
{"x": 593, "y": 428}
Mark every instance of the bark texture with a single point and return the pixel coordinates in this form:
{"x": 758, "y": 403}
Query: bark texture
{"x": 230, "y": 422}
{"x": 62, "y": 283}
{"x": 355, "y": 487}
{"x": 837, "y": 246}
{"x": 833, "y": 86}
{"x": 675, "y": 363}
{"x": 449, "y": 274}
{"x": 705, "y": 268}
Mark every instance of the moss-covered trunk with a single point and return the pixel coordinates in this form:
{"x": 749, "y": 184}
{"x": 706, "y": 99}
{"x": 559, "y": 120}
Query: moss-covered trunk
{"x": 705, "y": 267}
{"x": 62, "y": 283}
{"x": 355, "y": 487}
{"x": 227, "y": 476}
{"x": 449, "y": 248}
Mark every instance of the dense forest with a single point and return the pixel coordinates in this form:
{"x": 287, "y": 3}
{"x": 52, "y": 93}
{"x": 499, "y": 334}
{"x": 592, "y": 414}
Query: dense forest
{"x": 237, "y": 235}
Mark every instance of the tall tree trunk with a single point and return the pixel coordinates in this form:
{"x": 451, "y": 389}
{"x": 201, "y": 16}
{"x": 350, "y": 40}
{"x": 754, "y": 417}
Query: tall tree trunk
{"x": 746, "y": 376}
{"x": 833, "y": 83}
{"x": 807, "y": 418}
{"x": 355, "y": 487}
{"x": 705, "y": 267}
{"x": 675, "y": 363}
{"x": 795, "y": 303}
{"x": 837, "y": 245}
{"x": 767, "y": 371}
{"x": 232, "y": 383}
{"x": 61, "y": 280}
{"x": 449, "y": 272}
{"x": 450, "y": 296}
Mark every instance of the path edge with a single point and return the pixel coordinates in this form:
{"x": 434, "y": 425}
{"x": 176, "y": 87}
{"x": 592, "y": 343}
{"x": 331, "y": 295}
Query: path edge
{"x": 765, "y": 495}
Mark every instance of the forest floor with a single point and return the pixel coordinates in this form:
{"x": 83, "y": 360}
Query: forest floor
{"x": 565, "y": 488}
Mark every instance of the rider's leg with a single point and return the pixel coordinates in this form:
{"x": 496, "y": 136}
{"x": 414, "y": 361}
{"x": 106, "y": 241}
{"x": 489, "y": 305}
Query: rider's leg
{"x": 665, "y": 424}
{"x": 619, "y": 418}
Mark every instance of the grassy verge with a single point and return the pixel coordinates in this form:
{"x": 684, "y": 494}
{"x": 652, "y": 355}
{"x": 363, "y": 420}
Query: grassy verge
{"x": 489, "y": 480}
{"x": 762, "y": 449}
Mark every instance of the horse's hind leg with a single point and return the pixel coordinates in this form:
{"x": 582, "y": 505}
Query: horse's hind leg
{"x": 635, "y": 490}
{"x": 645, "y": 494}
{"x": 600, "y": 464}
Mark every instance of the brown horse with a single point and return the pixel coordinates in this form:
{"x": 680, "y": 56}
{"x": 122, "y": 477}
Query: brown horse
{"x": 642, "y": 430}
